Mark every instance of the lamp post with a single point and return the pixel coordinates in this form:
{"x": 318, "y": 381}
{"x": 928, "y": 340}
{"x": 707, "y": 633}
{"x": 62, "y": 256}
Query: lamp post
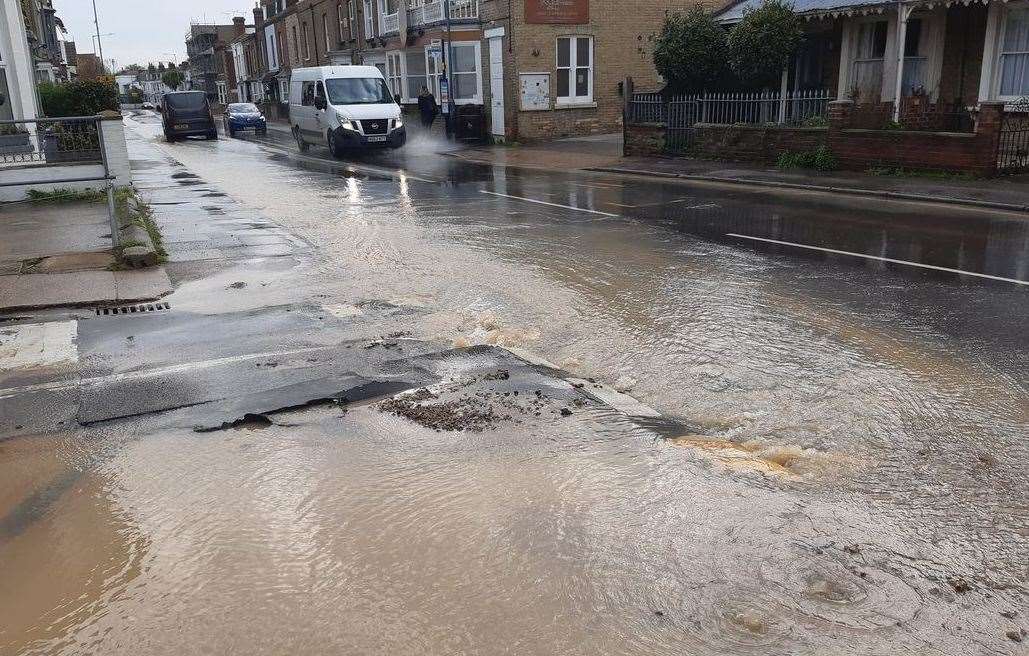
{"x": 96, "y": 23}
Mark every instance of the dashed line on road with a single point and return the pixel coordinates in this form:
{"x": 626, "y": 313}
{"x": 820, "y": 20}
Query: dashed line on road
{"x": 543, "y": 202}
{"x": 880, "y": 259}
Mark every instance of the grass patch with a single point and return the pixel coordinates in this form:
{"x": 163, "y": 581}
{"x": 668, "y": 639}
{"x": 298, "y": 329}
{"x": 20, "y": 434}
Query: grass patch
{"x": 820, "y": 159}
{"x": 139, "y": 214}
{"x": 67, "y": 196}
{"x": 925, "y": 174}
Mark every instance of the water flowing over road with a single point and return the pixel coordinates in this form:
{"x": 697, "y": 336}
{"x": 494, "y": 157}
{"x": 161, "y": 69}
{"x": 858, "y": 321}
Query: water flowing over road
{"x": 839, "y": 466}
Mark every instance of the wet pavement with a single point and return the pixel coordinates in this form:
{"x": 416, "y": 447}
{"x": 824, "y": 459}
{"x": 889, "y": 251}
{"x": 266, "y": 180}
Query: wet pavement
{"x": 836, "y": 464}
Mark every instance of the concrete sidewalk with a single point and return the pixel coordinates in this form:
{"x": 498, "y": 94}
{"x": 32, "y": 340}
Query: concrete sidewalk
{"x": 1006, "y": 193}
{"x": 60, "y": 254}
{"x": 598, "y": 151}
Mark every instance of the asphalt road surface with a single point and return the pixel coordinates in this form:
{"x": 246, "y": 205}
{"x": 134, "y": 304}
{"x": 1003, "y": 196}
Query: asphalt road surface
{"x": 775, "y": 423}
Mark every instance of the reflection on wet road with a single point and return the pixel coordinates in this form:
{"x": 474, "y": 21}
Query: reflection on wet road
{"x": 845, "y": 473}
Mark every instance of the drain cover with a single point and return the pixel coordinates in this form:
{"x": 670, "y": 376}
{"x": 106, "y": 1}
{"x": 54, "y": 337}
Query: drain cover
{"x": 132, "y": 309}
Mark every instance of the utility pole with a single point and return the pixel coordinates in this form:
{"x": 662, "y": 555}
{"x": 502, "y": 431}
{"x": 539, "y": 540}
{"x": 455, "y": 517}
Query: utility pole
{"x": 99, "y": 45}
{"x": 447, "y": 61}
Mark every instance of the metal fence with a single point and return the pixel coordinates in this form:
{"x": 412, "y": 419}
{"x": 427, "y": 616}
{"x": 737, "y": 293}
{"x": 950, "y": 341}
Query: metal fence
{"x": 1013, "y": 146}
{"x": 56, "y": 152}
{"x": 765, "y": 107}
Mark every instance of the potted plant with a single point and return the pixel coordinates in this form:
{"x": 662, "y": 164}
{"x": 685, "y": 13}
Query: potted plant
{"x": 14, "y": 140}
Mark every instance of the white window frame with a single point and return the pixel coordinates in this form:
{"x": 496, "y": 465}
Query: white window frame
{"x": 477, "y": 98}
{"x": 433, "y": 72}
{"x": 325, "y": 30}
{"x": 395, "y": 75}
{"x": 352, "y": 18}
{"x": 339, "y": 20}
{"x": 283, "y": 89}
{"x": 573, "y": 100}
{"x": 305, "y": 40}
{"x": 404, "y": 93}
{"x": 369, "y": 19}
{"x": 998, "y": 28}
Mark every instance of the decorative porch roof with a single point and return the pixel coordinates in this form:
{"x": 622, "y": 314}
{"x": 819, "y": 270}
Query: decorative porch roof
{"x": 814, "y": 9}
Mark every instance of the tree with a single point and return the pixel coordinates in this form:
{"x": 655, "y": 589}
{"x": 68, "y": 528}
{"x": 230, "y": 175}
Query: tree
{"x": 690, "y": 52}
{"x": 172, "y": 78}
{"x": 79, "y": 98}
{"x": 762, "y": 44}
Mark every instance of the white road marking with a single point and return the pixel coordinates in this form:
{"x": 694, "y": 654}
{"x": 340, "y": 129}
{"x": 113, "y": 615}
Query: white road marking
{"x": 33, "y": 345}
{"x": 543, "y": 202}
{"x": 881, "y": 259}
{"x": 157, "y": 371}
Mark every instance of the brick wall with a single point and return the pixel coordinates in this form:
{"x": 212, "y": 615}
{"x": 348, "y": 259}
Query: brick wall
{"x": 645, "y": 139}
{"x": 945, "y": 151}
{"x": 622, "y": 32}
{"x": 854, "y": 149}
{"x": 755, "y": 143}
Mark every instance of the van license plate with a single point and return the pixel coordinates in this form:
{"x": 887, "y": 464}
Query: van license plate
{"x": 374, "y": 139}
{"x": 182, "y": 126}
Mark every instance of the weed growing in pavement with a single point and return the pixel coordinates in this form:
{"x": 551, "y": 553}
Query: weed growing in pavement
{"x": 66, "y": 196}
{"x": 133, "y": 211}
{"x": 820, "y": 159}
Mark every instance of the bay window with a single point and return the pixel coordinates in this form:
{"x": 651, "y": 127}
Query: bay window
{"x": 1014, "y": 54}
{"x": 574, "y": 70}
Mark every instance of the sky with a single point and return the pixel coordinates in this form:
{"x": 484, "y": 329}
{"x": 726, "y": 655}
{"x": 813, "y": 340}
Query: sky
{"x": 143, "y": 31}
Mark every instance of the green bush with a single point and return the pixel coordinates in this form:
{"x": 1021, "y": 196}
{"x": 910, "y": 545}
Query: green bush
{"x": 173, "y": 78}
{"x": 690, "y": 51}
{"x": 820, "y": 159}
{"x": 80, "y": 98}
{"x": 762, "y": 44}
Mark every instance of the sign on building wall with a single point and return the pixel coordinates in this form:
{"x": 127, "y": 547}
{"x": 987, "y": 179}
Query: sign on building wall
{"x": 557, "y": 12}
{"x": 535, "y": 91}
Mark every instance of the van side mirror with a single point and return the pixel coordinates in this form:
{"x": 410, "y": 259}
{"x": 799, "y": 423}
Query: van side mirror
{"x": 319, "y": 102}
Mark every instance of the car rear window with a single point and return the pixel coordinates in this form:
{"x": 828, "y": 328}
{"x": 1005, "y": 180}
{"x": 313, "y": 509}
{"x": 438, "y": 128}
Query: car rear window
{"x": 185, "y": 100}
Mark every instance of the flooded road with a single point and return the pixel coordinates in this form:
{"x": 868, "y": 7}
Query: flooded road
{"x": 840, "y": 466}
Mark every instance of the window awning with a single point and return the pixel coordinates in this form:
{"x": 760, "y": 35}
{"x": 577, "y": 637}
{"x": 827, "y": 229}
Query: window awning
{"x": 814, "y": 9}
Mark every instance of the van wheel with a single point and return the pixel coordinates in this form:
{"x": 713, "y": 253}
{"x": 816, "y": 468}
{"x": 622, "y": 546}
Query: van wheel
{"x": 169, "y": 137}
{"x": 301, "y": 144}
{"x": 335, "y": 147}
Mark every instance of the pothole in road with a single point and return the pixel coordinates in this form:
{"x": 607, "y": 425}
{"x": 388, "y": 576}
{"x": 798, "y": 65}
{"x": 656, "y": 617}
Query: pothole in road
{"x": 478, "y": 404}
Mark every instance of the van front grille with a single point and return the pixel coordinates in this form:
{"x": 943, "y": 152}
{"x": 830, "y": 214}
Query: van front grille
{"x": 375, "y": 126}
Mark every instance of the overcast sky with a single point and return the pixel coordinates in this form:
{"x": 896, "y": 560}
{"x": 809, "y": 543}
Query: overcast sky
{"x": 144, "y": 30}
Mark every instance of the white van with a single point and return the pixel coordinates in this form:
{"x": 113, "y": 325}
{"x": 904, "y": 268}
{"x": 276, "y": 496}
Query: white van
{"x": 344, "y": 107}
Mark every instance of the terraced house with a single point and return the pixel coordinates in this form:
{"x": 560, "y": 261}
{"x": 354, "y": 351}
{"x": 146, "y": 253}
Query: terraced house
{"x": 538, "y": 68}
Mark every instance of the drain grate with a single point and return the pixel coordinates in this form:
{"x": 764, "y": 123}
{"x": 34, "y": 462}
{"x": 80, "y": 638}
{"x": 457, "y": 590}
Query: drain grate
{"x": 132, "y": 309}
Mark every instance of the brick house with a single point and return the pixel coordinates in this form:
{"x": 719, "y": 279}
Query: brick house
{"x": 539, "y": 69}
{"x": 929, "y": 54}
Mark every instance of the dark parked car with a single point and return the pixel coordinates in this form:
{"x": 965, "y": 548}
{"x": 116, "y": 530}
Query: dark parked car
{"x": 244, "y": 116}
{"x": 187, "y": 114}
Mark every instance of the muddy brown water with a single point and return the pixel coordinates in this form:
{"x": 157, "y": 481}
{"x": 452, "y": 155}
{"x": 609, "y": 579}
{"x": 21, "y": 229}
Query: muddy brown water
{"x": 852, "y": 479}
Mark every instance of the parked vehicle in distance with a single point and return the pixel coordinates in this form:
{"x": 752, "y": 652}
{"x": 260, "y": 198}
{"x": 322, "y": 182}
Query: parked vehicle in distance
{"x": 344, "y": 107}
{"x": 244, "y": 116}
{"x": 147, "y": 105}
{"x": 187, "y": 114}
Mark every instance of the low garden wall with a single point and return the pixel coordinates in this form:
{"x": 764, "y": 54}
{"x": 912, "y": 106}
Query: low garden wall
{"x": 855, "y": 149}
{"x": 755, "y": 143}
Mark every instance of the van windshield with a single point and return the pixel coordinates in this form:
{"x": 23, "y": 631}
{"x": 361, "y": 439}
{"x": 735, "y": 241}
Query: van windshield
{"x": 358, "y": 91}
{"x": 193, "y": 100}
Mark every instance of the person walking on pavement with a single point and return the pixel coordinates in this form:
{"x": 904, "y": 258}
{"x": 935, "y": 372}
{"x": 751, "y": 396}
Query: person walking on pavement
{"x": 427, "y": 107}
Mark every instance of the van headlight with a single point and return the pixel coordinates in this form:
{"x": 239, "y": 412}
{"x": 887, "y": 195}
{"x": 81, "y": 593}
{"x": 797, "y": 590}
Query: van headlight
{"x": 345, "y": 123}
{"x": 398, "y": 123}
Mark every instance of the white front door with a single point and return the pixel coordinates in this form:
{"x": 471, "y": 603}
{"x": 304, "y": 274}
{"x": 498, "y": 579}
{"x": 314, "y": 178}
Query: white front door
{"x": 496, "y": 84}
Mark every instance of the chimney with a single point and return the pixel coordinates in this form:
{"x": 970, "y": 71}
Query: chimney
{"x": 258, "y": 15}
{"x": 240, "y": 25}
